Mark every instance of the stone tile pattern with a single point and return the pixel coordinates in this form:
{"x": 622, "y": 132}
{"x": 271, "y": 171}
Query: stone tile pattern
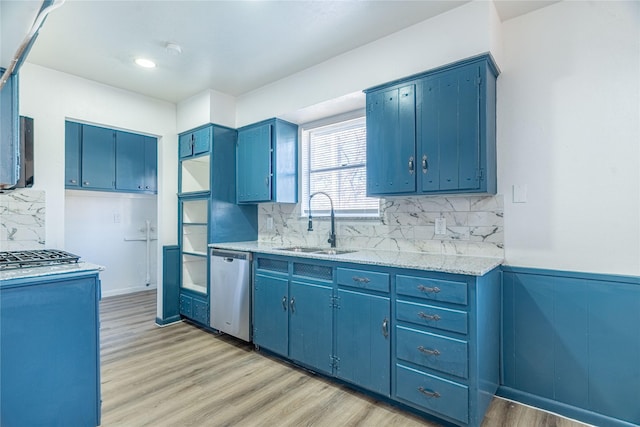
{"x": 22, "y": 220}
{"x": 475, "y": 226}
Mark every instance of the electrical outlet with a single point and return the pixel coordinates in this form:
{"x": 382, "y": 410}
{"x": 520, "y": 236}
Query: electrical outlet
{"x": 269, "y": 223}
{"x": 519, "y": 193}
{"x": 441, "y": 226}
{"x": 116, "y": 218}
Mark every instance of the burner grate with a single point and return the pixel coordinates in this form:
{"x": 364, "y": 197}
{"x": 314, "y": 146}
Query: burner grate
{"x": 35, "y": 258}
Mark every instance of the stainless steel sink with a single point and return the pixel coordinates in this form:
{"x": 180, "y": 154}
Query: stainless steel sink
{"x": 333, "y": 251}
{"x": 299, "y": 249}
{"x": 325, "y": 251}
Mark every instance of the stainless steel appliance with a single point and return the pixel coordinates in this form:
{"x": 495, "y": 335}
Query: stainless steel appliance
{"x": 35, "y": 258}
{"x": 229, "y": 297}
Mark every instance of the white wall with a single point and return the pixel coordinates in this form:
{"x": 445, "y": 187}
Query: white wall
{"x": 50, "y": 97}
{"x": 107, "y": 229}
{"x": 568, "y": 129}
{"x": 451, "y": 36}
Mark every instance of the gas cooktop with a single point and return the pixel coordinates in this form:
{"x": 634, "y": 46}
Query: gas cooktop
{"x": 35, "y": 258}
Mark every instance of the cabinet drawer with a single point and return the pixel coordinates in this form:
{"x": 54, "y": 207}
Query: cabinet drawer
{"x": 363, "y": 279}
{"x": 434, "y": 317}
{"x": 433, "y": 393}
{"x": 433, "y": 351}
{"x": 432, "y": 289}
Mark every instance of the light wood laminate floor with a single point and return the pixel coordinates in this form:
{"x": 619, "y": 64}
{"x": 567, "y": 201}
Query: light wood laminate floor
{"x": 181, "y": 375}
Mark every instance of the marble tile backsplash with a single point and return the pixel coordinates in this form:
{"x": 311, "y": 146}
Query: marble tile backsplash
{"x": 474, "y": 226}
{"x": 22, "y": 216}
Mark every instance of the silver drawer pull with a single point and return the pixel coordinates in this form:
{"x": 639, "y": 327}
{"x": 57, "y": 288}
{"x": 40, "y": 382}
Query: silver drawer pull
{"x": 429, "y": 393}
{"x": 361, "y": 279}
{"x": 428, "y": 351}
{"x": 424, "y": 288}
{"x": 429, "y": 316}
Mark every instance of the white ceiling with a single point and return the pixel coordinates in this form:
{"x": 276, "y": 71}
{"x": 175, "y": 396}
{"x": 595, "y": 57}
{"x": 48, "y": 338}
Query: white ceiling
{"x": 229, "y": 46}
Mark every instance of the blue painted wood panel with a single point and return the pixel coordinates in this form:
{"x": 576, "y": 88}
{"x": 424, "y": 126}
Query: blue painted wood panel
{"x": 201, "y": 140}
{"x": 432, "y": 316}
{"x": 271, "y": 313}
{"x": 170, "y": 285}
{"x": 311, "y": 325}
{"x": 98, "y": 158}
{"x": 50, "y": 373}
{"x": 254, "y": 163}
{"x": 150, "y": 164}
{"x": 72, "y": 150}
{"x": 362, "y": 349}
{"x": 185, "y": 145}
{"x": 285, "y": 162}
{"x": 130, "y": 157}
{"x": 391, "y": 141}
{"x": 363, "y": 279}
{"x": 569, "y": 339}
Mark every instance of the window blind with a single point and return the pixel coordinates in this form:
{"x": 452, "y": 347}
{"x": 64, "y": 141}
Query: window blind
{"x": 334, "y": 161}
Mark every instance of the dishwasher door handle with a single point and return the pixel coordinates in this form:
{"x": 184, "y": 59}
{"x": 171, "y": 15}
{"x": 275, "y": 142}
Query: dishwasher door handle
{"x": 226, "y": 259}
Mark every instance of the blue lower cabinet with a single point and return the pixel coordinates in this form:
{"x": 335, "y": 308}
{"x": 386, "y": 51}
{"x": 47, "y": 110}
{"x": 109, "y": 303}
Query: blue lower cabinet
{"x": 310, "y": 325}
{"x": 186, "y": 306}
{"x": 49, "y": 352}
{"x": 363, "y": 348}
{"x": 200, "y": 311}
{"x": 271, "y": 313}
{"x": 436, "y": 394}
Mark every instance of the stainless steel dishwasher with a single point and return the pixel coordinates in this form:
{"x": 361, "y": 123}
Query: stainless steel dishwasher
{"x": 230, "y": 298}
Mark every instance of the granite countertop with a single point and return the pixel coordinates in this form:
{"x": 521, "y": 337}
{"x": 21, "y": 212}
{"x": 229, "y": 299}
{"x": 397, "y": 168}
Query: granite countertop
{"x": 49, "y": 270}
{"x": 457, "y": 264}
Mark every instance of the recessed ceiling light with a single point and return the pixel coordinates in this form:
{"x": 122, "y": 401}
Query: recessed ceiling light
{"x": 145, "y": 63}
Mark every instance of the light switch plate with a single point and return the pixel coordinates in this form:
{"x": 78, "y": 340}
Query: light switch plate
{"x": 519, "y": 193}
{"x": 269, "y": 223}
{"x": 441, "y": 226}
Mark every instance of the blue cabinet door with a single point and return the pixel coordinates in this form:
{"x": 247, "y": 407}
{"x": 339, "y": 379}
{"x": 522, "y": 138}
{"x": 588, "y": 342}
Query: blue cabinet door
{"x": 98, "y": 158}
{"x": 150, "y": 164}
{"x": 254, "y": 164}
{"x": 9, "y": 131}
{"x": 201, "y": 139}
{"x": 72, "y": 142}
{"x": 449, "y": 154}
{"x": 391, "y": 141}
{"x": 362, "y": 340}
{"x": 130, "y": 155}
{"x": 311, "y": 325}
{"x": 271, "y": 313}
{"x": 185, "y": 145}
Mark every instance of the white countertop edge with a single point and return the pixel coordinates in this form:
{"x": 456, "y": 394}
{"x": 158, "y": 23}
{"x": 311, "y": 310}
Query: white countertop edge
{"x": 49, "y": 270}
{"x": 456, "y": 264}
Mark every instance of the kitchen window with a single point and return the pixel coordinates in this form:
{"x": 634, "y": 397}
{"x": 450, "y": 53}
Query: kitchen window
{"x": 334, "y": 161}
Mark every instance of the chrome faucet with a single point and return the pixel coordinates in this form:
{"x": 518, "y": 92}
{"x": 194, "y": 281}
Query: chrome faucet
{"x": 332, "y": 235}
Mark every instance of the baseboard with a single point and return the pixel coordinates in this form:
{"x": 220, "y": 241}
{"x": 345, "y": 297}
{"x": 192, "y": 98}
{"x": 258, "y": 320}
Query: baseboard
{"x": 123, "y": 291}
{"x": 168, "y": 321}
{"x": 560, "y": 408}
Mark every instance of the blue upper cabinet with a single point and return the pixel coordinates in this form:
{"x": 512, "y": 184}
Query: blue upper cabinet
{"x": 195, "y": 142}
{"x": 267, "y": 162}
{"x": 391, "y": 140}
{"x": 9, "y": 131}
{"x": 136, "y": 162}
{"x": 445, "y": 144}
{"x": 72, "y": 144}
{"x": 98, "y": 158}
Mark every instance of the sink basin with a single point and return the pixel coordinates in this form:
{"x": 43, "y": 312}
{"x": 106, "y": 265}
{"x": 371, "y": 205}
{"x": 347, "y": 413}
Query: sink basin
{"x": 325, "y": 251}
{"x": 299, "y": 249}
{"x": 333, "y": 251}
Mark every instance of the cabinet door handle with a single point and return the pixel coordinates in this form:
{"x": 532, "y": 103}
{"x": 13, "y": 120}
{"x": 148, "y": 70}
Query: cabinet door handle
{"x": 433, "y": 290}
{"x": 292, "y": 304}
{"x": 385, "y": 327}
{"x": 361, "y": 279}
{"x": 85, "y": 183}
{"x": 73, "y": 181}
{"x": 284, "y": 303}
{"x": 428, "y": 316}
{"x": 266, "y": 181}
{"x": 428, "y": 393}
{"x": 430, "y": 352}
{"x": 411, "y": 165}
{"x": 424, "y": 164}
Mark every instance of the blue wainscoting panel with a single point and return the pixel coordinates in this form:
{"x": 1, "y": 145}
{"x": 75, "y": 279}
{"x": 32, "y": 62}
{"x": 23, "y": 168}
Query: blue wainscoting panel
{"x": 571, "y": 344}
